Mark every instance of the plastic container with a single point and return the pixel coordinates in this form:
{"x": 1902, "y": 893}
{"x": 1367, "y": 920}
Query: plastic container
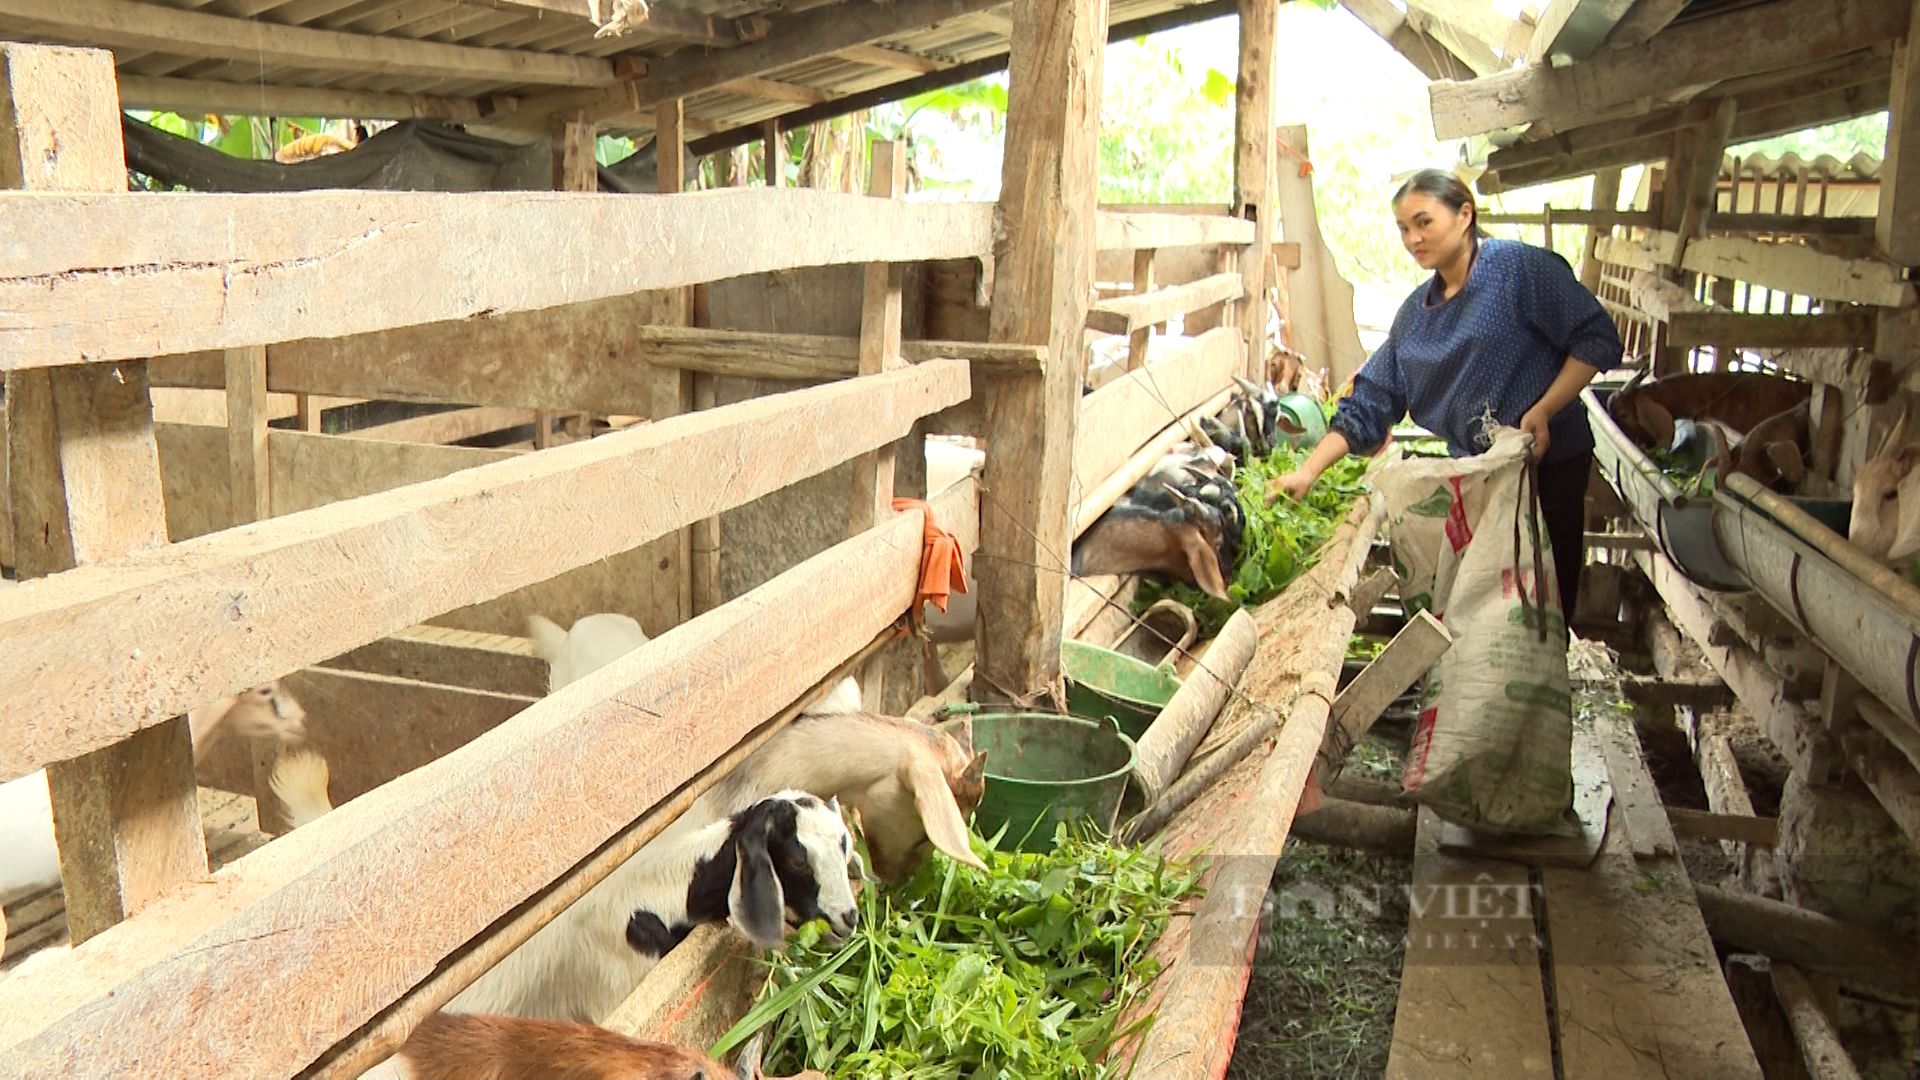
{"x": 1102, "y": 683}
{"x": 1044, "y": 769}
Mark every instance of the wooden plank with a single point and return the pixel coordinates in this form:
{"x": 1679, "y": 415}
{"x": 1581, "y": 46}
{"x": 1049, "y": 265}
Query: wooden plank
{"x": 85, "y": 489}
{"x": 1430, "y": 57}
{"x": 790, "y": 39}
{"x": 123, "y": 24}
{"x": 775, "y": 90}
{"x": 1472, "y": 1003}
{"x": 1643, "y": 20}
{"x": 1134, "y": 232}
{"x": 1709, "y": 693}
{"x": 269, "y": 938}
{"x": 1137, "y": 406}
{"x": 899, "y": 59}
{"x": 1896, "y": 226}
{"x": 1799, "y": 269}
{"x": 109, "y": 649}
{"x": 199, "y": 272}
{"x": 315, "y": 470}
{"x": 671, "y": 602}
{"x": 1747, "y": 42}
{"x": 446, "y": 427}
{"x": 880, "y": 311}
{"x": 250, "y": 498}
{"x": 1411, "y": 653}
{"x": 1043, "y": 282}
{"x": 757, "y": 355}
{"x": 197, "y": 97}
{"x": 1126, "y": 314}
{"x": 1637, "y": 985}
{"x": 1841, "y": 329}
{"x": 1740, "y": 828}
{"x": 436, "y": 654}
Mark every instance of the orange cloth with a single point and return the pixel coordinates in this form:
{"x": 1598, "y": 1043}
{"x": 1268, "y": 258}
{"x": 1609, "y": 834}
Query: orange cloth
{"x": 942, "y": 572}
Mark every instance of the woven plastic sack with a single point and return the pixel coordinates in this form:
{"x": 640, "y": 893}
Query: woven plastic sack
{"x": 1493, "y": 744}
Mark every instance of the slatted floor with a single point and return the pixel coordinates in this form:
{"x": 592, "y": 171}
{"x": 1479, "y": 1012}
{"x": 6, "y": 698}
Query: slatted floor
{"x": 39, "y": 920}
{"x": 1619, "y": 947}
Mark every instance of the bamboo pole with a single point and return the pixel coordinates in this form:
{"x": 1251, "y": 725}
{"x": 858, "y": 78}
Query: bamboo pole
{"x": 1173, "y": 735}
{"x": 1819, "y": 1043}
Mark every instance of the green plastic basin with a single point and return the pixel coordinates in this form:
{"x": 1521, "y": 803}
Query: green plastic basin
{"x": 1044, "y": 769}
{"x": 1103, "y": 683}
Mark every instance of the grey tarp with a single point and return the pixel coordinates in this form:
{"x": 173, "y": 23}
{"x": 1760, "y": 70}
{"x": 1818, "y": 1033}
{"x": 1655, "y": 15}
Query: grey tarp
{"x": 413, "y": 155}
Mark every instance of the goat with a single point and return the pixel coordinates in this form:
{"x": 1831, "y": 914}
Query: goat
{"x": 1885, "y": 523}
{"x": 591, "y": 643}
{"x": 1646, "y": 411}
{"x": 1180, "y": 521}
{"x": 299, "y": 781}
{"x": 450, "y": 1046}
{"x": 32, "y": 861}
{"x": 264, "y": 712}
{"x": 786, "y": 853}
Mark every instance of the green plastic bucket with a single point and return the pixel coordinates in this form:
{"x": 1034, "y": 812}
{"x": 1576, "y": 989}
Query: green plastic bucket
{"x": 1103, "y": 683}
{"x": 1044, "y": 769}
{"x": 1304, "y": 412}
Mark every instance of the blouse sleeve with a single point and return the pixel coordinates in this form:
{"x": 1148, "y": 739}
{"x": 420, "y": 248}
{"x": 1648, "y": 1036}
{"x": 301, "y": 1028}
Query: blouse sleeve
{"x": 1566, "y": 315}
{"x": 1379, "y": 398}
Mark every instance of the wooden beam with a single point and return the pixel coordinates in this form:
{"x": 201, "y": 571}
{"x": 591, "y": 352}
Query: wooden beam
{"x": 1821, "y": 93}
{"x": 1793, "y": 268}
{"x": 1476, "y": 53}
{"x": 790, "y": 40}
{"x": 775, "y": 90}
{"x": 104, "y": 651}
{"x": 1428, "y": 56}
{"x": 1133, "y": 232}
{"x": 672, "y": 390}
{"x": 1897, "y": 223}
{"x": 124, "y": 24}
{"x": 221, "y": 271}
{"x": 1820, "y": 1047}
{"x": 1742, "y": 828}
{"x": 1043, "y": 281}
{"x": 1139, "y": 338}
{"x": 755, "y": 355}
{"x": 1750, "y": 41}
{"x": 1808, "y": 939}
{"x": 638, "y": 730}
{"x": 1643, "y": 20}
{"x": 446, "y": 427}
{"x": 1135, "y": 407}
{"x": 194, "y": 97}
{"x": 898, "y": 59}
{"x": 1126, "y": 314}
{"x": 880, "y": 311}
{"x": 1845, "y": 329}
{"x": 438, "y": 654}
{"x": 1703, "y": 177}
{"x": 1253, "y": 187}
{"x": 1410, "y": 655}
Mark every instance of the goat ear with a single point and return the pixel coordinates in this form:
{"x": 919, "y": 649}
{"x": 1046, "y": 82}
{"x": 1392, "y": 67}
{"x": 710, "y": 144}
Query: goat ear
{"x": 962, "y": 732}
{"x": 757, "y": 906}
{"x": 939, "y": 814}
{"x": 1204, "y": 562}
{"x": 976, "y": 769}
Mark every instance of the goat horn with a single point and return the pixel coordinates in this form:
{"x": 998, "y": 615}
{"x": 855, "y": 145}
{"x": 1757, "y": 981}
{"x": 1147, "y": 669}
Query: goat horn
{"x": 747, "y": 1065}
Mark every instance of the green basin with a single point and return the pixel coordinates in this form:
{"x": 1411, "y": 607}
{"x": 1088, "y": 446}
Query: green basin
{"x": 1304, "y": 412}
{"x": 1103, "y": 683}
{"x": 1044, "y": 769}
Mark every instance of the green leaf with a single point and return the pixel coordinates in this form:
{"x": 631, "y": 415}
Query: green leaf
{"x": 1218, "y": 88}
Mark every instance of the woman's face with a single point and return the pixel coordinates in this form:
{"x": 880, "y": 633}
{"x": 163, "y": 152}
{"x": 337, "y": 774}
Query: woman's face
{"x": 1432, "y": 233}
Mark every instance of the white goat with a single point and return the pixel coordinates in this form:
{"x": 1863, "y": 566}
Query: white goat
{"x": 591, "y": 643}
{"x": 299, "y": 781}
{"x": 788, "y": 853}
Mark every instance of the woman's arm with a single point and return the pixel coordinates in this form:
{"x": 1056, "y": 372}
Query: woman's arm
{"x": 1574, "y": 376}
{"x": 1294, "y": 485}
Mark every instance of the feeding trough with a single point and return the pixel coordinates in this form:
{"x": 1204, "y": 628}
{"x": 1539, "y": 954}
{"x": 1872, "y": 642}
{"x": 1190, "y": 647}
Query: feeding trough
{"x": 1681, "y": 526}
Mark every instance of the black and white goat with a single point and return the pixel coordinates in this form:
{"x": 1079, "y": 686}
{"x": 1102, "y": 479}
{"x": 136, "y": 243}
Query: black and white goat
{"x": 787, "y": 855}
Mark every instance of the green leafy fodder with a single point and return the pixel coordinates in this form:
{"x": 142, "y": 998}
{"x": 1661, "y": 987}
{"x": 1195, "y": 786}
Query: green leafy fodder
{"x": 1282, "y": 541}
{"x": 1023, "y": 972}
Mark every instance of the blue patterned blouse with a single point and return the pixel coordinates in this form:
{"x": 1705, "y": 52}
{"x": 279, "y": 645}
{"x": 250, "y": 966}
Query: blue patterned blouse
{"x": 1495, "y": 347}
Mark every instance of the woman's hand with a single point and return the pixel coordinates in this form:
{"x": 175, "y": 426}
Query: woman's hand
{"x": 1534, "y": 423}
{"x": 1293, "y": 485}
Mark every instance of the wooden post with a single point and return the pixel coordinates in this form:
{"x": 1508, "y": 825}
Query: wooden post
{"x": 1138, "y": 341}
{"x": 775, "y": 149}
{"x": 1253, "y": 190}
{"x": 880, "y": 312}
{"x": 1043, "y": 283}
{"x": 85, "y": 486}
{"x": 574, "y": 167}
{"x": 247, "y": 433}
{"x": 672, "y": 391}
{"x": 1896, "y": 226}
{"x": 1606, "y": 200}
{"x": 1709, "y": 146}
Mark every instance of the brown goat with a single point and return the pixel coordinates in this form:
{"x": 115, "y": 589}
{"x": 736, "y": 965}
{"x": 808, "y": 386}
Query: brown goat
{"x": 453, "y": 1046}
{"x": 1742, "y": 400}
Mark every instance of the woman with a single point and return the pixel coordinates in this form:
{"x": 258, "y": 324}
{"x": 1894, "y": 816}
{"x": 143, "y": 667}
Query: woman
{"x": 1503, "y": 328}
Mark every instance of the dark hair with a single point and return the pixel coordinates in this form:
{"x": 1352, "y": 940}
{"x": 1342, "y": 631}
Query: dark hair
{"x": 1444, "y": 187}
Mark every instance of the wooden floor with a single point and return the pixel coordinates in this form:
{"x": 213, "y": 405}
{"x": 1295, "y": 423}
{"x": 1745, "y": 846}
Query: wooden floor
{"x": 1635, "y": 984}
{"x": 39, "y": 920}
